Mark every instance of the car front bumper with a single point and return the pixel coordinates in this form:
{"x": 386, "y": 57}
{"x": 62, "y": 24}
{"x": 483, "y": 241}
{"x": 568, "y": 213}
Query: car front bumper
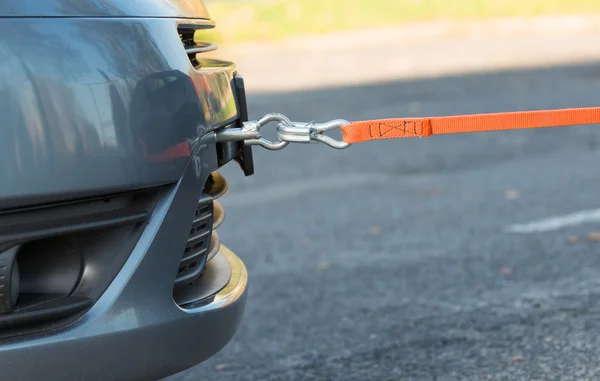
{"x": 135, "y": 330}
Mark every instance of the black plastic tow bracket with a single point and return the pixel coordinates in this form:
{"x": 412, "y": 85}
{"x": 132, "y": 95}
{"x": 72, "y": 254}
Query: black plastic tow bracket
{"x": 238, "y": 151}
{"x": 244, "y": 158}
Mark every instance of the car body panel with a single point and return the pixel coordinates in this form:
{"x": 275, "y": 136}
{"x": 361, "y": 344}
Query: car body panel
{"x": 99, "y": 116}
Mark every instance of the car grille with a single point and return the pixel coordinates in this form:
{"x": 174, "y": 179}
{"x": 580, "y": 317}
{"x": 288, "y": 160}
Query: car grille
{"x": 192, "y": 44}
{"x": 203, "y": 243}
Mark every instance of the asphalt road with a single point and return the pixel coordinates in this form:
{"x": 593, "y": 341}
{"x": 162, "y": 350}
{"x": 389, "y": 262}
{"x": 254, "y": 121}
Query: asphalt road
{"x": 391, "y": 260}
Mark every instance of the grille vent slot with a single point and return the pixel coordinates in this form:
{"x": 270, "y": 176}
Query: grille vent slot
{"x": 192, "y": 45}
{"x": 203, "y": 243}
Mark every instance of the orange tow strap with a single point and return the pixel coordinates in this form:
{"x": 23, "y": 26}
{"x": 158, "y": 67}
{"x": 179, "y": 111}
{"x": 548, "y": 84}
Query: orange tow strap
{"x": 363, "y": 131}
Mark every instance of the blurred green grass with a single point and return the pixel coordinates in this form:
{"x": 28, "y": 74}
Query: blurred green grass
{"x": 267, "y": 20}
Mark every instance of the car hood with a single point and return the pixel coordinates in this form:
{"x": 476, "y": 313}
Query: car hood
{"x": 104, "y": 8}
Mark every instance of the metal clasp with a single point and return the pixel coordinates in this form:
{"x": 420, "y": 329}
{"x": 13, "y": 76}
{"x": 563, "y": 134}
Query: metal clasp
{"x": 249, "y": 133}
{"x": 312, "y": 132}
{"x": 287, "y": 132}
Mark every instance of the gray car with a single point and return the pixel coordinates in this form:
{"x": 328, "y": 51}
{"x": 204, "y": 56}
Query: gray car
{"x": 110, "y": 267}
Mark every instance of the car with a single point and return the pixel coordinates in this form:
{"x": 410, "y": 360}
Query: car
{"x": 110, "y": 266}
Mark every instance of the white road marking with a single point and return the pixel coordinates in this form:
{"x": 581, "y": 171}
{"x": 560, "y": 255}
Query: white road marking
{"x": 556, "y": 222}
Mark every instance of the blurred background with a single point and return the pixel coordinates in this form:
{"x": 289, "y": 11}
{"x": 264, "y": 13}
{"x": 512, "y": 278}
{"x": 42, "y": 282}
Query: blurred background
{"x": 466, "y": 257}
